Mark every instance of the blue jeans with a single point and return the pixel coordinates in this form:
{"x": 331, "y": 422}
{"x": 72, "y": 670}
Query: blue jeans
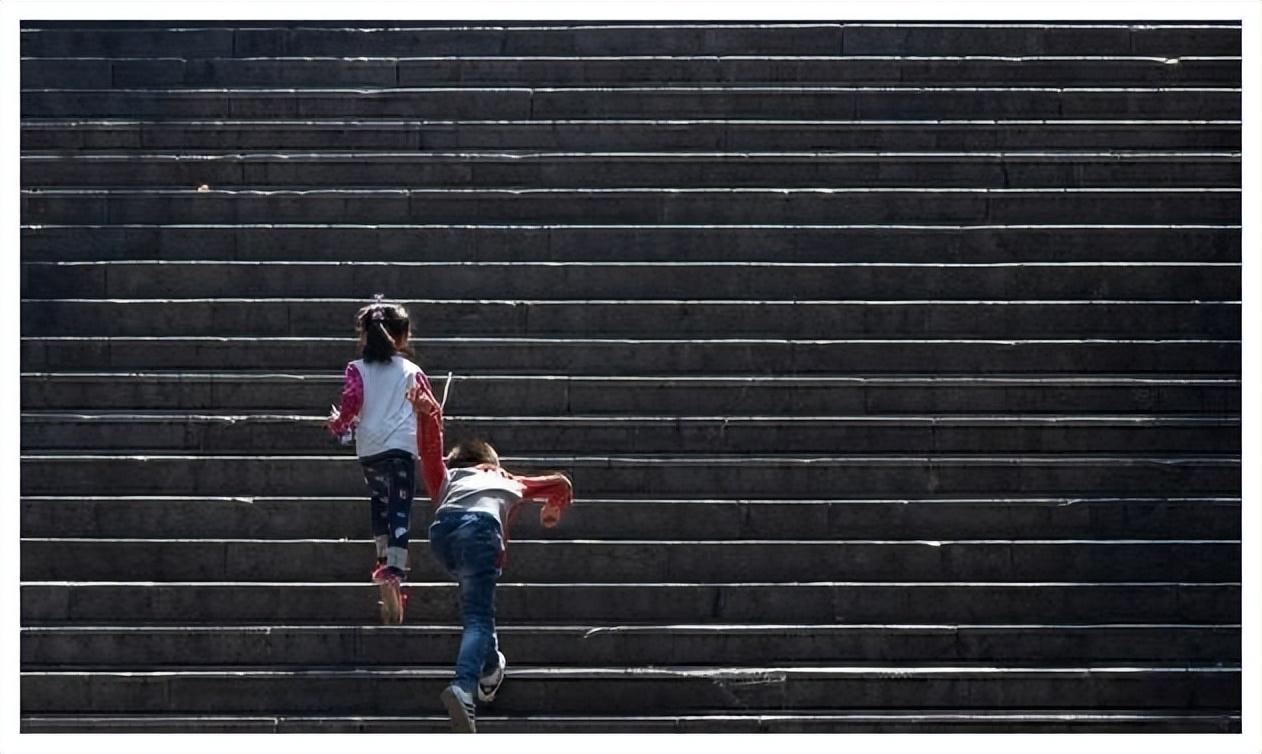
{"x": 468, "y": 546}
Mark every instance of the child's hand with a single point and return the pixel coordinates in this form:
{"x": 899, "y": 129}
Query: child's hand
{"x": 549, "y": 516}
{"x": 566, "y": 497}
{"x": 335, "y": 428}
{"x": 422, "y": 400}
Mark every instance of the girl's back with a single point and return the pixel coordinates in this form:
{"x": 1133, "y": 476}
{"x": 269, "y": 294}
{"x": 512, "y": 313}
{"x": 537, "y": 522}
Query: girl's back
{"x": 387, "y": 420}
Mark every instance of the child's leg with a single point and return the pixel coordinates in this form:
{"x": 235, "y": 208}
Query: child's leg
{"x": 475, "y": 550}
{"x": 377, "y": 479}
{"x": 401, "y": 482}
{"x": 492, "y": 660}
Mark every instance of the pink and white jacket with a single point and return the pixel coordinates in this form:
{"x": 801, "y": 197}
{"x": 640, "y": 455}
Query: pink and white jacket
{"x": 374, "y": 401}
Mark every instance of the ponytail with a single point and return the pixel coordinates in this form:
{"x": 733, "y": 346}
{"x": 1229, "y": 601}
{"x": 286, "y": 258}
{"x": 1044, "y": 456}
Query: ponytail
{"x": 383, "y": 330}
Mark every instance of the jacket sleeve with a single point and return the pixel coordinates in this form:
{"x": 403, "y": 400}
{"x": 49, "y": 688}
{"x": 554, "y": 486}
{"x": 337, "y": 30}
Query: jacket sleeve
{"x": 551, "y": 489}
{"x": 352, "y": 401}
{"x": 422, "y": 380}
{"x": 429, "y": 442}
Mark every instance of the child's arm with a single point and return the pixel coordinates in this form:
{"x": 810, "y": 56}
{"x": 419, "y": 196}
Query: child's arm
{"x": 429, "y": 436}
{"x": 554, "y": 490}
{"x": 340, "y": 420}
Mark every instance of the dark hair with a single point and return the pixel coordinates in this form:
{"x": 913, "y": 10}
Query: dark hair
{"x": 383, "y": 330}
{"x": 472, "y": 453}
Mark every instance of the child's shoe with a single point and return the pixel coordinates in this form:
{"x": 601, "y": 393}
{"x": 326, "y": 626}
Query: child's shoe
{"x": 459, "y": 704}
{"x": 384, "y": 574}
{"x": 489, "y": 684}
{"x": 389, "y": 581}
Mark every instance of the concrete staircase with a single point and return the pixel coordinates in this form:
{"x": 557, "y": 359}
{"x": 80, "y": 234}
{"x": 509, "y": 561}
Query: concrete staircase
{"x": 897, "y": 367}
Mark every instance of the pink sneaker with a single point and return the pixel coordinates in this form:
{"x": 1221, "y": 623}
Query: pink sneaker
{"x": 384, "y": 573}
{"x": 394, "y": 599}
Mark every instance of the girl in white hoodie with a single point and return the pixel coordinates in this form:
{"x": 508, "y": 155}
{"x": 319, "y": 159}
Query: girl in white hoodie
{"x": 376, "y": 407}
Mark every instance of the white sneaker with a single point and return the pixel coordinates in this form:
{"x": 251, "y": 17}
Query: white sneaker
{"x": 460, "y": 709}
{"x": 489, "y": 684}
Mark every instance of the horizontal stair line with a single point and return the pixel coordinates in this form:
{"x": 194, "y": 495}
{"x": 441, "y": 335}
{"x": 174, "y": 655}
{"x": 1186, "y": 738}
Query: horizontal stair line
{"x": 624, "y": 226}
{"x": 695, "y": 341}
{"x": 1032, "y": 499}
{"x": 530, "y": 26}
{"x": 395, "y": 189}
{"x": 719, "y": 57}
{"x": 1034, "y": 585}
{"x": 82, "y": 121}
{"x": 694, "y": 88}
{"x": 535, "y": 155}
{"x": 944, "y": 420}
{"x": 517, "y": 265}
{"x": 687, "y": 628}
{"x": 667, "y": 672}
{"x": 711, "y": 460}
{"x": 725, "y": 302}
{"x": 659, "y": 542}
{"x": 333, "y": 376}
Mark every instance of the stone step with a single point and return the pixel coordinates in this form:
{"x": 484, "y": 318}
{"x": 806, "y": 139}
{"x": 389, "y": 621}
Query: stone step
{"x": 787, "y": 477}
{"x": 463, "y": 70}
{"x": 927, "y": 518}
{"x": 145, "y": 647}
{"x": 632, "y": 206}
{"x": 629, "y": 357}
{"x": 609, "y": 134}
{"x": 631, "y": 690}
{"x": 635, "y": 243}
{"x": 886, "y": 721}
{"x": 638, "y": 319}
{"x": 240, "y": 434}
{"x": 101, "y": 603}
{"x": 713, "y": 561}
{"x": 748, "y": 283}
{"x": 652, "y": 102}
{"x": 668, "y": 38}
{"x": 1000, "y": 38}
{"x": 629, "y": 169}
{"x": 730, "y": 396}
